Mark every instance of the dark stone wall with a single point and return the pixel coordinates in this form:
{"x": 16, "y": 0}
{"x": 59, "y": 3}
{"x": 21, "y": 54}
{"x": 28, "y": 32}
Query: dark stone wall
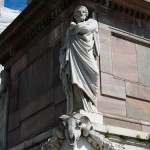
{"x": 37, "y": 98}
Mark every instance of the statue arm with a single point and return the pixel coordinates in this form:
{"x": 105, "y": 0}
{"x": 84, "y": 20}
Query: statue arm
{"x": 89, "y": 27}
{"x": 85, "y": 27}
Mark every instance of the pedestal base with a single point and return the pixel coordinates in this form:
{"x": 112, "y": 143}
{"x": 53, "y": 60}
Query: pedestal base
{"x": 93, "y": 117}
{"x": 82, "y": 144}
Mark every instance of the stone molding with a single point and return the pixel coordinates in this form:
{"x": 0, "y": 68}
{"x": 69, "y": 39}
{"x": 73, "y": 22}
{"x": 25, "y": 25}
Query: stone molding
{"x": 124, "y": 6}
{"x": 39, "y": 26}
{"x": 131, "y": 134}
{"x": 128, "y": 7}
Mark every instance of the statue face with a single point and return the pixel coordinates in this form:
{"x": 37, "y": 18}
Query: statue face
{"x": 80, "y": 13}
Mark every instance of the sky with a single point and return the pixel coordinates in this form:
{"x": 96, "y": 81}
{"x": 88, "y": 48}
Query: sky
{"x": 15, "y": 4}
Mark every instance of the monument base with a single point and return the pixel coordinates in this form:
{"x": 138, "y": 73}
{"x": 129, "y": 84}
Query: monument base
{"x": 93, "y": 117}
{"x": 76, "y": 131}
{"x": 82, "y": 144}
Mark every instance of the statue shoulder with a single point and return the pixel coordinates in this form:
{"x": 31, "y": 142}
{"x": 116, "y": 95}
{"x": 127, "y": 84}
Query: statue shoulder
{"x": 92, "y": 20}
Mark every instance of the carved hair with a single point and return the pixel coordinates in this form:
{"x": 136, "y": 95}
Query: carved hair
{"x": 77, "y": 8}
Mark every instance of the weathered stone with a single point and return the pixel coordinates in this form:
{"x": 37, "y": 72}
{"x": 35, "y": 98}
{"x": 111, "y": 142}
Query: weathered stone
{"x": 124, "y": 59}
{"x": 59, "y": 94}
{"x": 111, "y": 106}
{"x": 112, "y": 87}
{"x": 3, "y": 119}
{"x": 138, "y": 91}
{"x": 35, "y": 106}
{"x": 82, "y": 144}
{"x": 143, "y": 57}
{"x": 60, "y": 109}
{"x": 14, "y": 137}
{"x": 146, "y": 128}
{"x": 35, "y": 80}
{"x": 105, "y": 50}
{"x": 14, "y": 120}
{"x": 93, "y": 117}
{"x": 22, "y": 62}
{"x": 42, "y": 120}
{"x": 136, "y": 109}
{"x": 122, "y": 123}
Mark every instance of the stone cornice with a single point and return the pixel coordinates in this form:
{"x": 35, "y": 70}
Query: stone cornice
{"x": 39, "y": 14}
{"x": 138, "y": 8}
{"x": 113, "y": 130}
{"x": 36, "y": 17}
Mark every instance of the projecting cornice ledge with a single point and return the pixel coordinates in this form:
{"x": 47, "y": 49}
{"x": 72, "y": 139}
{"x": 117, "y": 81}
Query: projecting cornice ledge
{"x": 34, "y": 19}
{"x": 31, "y": 21}
{"x": 138, "y": 8}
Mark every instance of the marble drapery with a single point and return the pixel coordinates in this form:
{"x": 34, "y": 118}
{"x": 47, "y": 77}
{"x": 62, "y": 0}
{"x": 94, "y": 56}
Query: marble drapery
{"x": 79, "y": 72}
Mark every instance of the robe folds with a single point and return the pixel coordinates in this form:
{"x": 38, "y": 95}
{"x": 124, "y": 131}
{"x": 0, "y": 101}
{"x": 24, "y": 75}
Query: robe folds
{"x": 78, "y": 68}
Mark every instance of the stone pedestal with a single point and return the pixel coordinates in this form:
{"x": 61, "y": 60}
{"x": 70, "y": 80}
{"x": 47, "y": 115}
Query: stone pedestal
{"x": 93, "y": 117}
{"x": 82, "y": 144}
{"x": 77, "y": 132}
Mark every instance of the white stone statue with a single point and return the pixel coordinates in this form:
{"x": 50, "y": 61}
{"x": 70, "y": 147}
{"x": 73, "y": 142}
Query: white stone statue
{"x": 78, "y": 66}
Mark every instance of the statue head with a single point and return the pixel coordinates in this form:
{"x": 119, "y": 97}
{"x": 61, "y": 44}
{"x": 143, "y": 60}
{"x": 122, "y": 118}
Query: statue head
{"x": 81, "y": 13}
{"x": 74, "y": 126}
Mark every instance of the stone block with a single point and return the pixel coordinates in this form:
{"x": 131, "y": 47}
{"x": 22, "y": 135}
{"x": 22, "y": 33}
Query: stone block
{"x": 143, "y": 57}
{"x": 55, "y": 65}
{"x": 18, "y": 65}
{"x": 38, "y": 122}
{"x": 82, "y": 144}
{"x": 126, "y": 132}
{"x": 94, "y": 117}
{"x": 13, "y": 137}
{"x": 13, "y": 104}
{"x": 59, "y": 94}
{"x": 105, "y": 51}
{"x": 138, "y": 91}
{"x": 14, "y": 120}
{"x": 122, "y": 123}
{"x": 35, "y": 80}
{"x": 131, "y": 147}
{"x": 124, "y": 59}
{"x": 13, "y": 85}
{"x": 138, "y": 109}
{"x": 146, "y": 128}
{"x": 112, "y": 87}
{"x": 110, "y": 105}
{"x": 35, "y": 106}
{"x": 39, "y": 47}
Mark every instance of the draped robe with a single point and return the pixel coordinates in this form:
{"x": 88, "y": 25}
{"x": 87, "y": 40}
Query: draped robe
{"x": 78, "y": 68}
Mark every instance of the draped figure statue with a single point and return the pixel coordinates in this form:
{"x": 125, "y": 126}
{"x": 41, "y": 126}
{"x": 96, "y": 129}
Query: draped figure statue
{"x": 78, "y": 66}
